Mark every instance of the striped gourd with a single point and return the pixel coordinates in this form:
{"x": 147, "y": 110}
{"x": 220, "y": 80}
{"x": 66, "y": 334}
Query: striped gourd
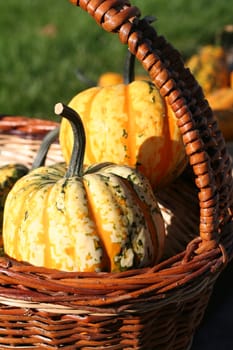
{"x": 129, "y": 124}
{"x": 105, "y": 218}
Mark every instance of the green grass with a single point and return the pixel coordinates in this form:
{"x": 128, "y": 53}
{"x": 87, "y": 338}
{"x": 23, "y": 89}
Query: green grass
{"x": 38, "y": 68}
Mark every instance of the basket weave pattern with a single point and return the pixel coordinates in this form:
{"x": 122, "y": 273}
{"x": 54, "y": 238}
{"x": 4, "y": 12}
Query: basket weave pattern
{"x": 20, "y": 138}
{"x": 151, "y": 308}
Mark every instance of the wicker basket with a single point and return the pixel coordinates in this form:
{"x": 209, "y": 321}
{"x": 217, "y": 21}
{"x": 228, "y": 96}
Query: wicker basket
{"x": 150, "y": 308}
{"x": 20, "y": 139}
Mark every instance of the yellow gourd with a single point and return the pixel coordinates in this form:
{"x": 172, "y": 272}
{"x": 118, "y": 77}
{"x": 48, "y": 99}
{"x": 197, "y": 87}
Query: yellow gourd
{"x": 129, "y": 124}
{"x": 221, "y": 102}
{"x": 210, "y": 68}
{"x": 112, "y": 78}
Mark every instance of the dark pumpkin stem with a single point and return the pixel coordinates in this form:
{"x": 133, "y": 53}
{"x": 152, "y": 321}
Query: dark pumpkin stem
{"x": 75, "y": 167}
{"x": 44, "y": 148}
{"x": 129, "y": 68}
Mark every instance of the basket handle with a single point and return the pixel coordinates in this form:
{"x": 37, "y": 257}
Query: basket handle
{"x": 204, "y": 143}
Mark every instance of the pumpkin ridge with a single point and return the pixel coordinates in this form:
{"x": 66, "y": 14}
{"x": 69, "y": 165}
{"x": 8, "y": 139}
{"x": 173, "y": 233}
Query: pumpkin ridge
{"x": 42, "y": 192}
{"x": 80, "y": 237}
{"x": 140, "y": 190}
{"x": 154, "y": 168}
{"x": 74, "y": 234}
{"x": 22, "y": 213}
{"x": 85, "y": 115}
{"x": 101, "y": 205}
{"x": 167, "y": 157}
{"x": 23, "y": 231}
{"x": 9, "y": 243}
{"x": 148, "y": 218}
{"x": 142, "y": 187}
{"x": 38, "y": 190}
{"x": 105, "y": 257}
{"x": 86, "y": 118}
{"x": 46, "y": 222}
{"x": 55, "y": 208}
{"x": 131, "y": 129}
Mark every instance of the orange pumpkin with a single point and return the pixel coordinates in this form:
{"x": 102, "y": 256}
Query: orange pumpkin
{"x": 221, "y": 102}
{"x": 221, "y": 98}
{"x": 129, "y": 124}
{"x": 111, "y": 78}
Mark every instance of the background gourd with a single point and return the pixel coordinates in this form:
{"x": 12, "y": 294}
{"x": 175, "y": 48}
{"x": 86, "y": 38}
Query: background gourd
{"x": 221, "y": 102}
{"x": 105, "y": 218}
{"x": 210, "y": 68}
{"x": 113, "y": 78}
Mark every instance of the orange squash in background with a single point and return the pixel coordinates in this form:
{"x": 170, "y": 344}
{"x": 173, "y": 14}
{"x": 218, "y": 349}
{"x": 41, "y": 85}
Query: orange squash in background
{"x": 210, "y": 68}
{"x": 111, "y": 78}
{"x": 221, "y": 102}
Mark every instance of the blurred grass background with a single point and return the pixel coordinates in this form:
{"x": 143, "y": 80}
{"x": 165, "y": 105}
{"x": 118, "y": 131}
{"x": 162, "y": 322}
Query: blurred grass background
{"x": 44, "y": 42}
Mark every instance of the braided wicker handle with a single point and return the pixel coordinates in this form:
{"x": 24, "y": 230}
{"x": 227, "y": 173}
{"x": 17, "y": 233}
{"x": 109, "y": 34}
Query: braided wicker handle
{"x": 203, "y": 141}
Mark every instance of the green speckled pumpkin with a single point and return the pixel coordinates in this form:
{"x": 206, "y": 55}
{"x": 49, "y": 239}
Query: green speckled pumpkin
{"x": 105, "y": 218}
{"x": 9, "y": 174}
{"x": 209, "y": 66}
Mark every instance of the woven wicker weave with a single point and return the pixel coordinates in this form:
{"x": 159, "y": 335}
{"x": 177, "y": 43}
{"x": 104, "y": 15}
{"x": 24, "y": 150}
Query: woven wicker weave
{"x": 20, "y": 138}
{"x": 151, "y": 308}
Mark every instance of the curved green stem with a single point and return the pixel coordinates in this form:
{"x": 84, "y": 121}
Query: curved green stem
{"x": 84, "y": 79}
{"x": 129, "y": 68}
{"x": 75, "y": 167}
{"x": 44, "y": 148}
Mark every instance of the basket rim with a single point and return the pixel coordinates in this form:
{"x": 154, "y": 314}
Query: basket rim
{"x": 176, "y": 278}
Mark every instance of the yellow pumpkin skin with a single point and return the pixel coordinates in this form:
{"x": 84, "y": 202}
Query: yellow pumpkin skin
{"x": 9, "y": 174}
{"x": 128, "y": 124}
{"x": 106, "y": 219}
{"x": 209, "y": 66}
{"x": 110, "y": 78}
